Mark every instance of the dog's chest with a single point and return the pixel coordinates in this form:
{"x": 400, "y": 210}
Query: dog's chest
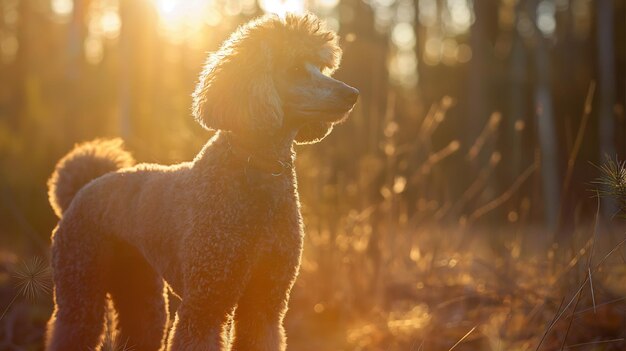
{"x": 280, "y": 221}
{"x": 261, "y": 207}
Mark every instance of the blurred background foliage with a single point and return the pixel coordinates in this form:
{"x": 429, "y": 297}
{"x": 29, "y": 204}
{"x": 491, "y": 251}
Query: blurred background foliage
{"x": 455, "y": 199}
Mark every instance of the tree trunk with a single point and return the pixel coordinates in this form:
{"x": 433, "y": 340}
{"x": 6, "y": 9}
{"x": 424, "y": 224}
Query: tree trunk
{"x": 546, "y": 126}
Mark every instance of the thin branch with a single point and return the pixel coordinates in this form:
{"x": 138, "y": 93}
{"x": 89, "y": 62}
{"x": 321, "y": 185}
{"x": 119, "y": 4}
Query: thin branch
{"x": 495, "y": 203}
{"x": 463, "y": 338}
{"x": 599, "y": 305}
{"x": 8, "y": 306}
{"x": 593, "y": 245}
{"x": 595, "y": 343}
{"x": 578, "y": 141}
{"x": 545, "y": 333}
{"x": 569, "y": 325}
{"x": 593, "y": 296}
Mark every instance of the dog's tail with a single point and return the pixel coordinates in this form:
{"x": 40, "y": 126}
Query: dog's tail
{"x": 84, "y": 163}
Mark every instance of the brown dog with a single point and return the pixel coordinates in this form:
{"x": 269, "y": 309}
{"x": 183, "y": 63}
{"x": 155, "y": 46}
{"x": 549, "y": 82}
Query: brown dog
{"x": 224, "y": 231}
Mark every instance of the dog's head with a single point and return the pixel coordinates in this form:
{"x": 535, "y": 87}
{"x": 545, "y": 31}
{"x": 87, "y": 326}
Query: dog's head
{"x": 271, "y": 73}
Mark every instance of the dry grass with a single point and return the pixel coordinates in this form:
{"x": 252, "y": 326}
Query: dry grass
{"x": 447, "y": 292}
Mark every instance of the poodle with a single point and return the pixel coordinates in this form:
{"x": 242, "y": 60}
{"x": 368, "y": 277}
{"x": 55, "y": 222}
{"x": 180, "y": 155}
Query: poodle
{"x": 224, "y": 232}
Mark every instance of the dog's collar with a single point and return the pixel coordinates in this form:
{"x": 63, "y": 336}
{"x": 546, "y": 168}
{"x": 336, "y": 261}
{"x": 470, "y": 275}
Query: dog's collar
{"x": 273, "y": 166}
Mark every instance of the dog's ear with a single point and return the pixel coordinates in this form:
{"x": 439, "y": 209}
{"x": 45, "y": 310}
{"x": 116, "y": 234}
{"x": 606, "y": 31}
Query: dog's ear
{"x": 236, "y": 92}
{"x": 311, "y": 133}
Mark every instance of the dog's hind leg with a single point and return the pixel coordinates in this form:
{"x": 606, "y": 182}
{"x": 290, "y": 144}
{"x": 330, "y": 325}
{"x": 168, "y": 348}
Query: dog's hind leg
{"x": 140, "y": 299}
{"x": 80, "y": 299}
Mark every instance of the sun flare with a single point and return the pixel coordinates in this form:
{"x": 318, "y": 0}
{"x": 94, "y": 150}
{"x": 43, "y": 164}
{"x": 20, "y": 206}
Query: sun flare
{"x": 183, "y": 20}
{"x": 180, "y": 20}
{"x": 282, "y": 7}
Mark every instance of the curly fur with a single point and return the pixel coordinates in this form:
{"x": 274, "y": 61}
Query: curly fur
{"x": 226, "y": 237}
{"x": 243, "y": 66}
{"x": 86, "y": 162}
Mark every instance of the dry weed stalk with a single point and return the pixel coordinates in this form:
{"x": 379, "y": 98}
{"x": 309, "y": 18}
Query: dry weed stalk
{"x": 612, "y": 182}
{"x": 33, "y": 279}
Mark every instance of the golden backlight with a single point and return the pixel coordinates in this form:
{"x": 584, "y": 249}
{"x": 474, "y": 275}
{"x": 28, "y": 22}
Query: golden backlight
{"x": 466, "y": 204}
{"x": 181, "y": 20}
{"x": 281, "y": 7}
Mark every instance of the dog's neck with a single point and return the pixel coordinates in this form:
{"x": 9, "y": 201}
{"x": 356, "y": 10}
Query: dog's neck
{"x": 278, "y": 146}
{"x": 273, "y": 155}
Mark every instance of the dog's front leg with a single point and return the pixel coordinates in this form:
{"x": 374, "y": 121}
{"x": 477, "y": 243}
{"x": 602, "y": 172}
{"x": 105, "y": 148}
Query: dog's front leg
{"x": 196, "y": 330}
{"x": 214, "y": 281}
{"x": 260, "y": 312}
{"x": 259, "y": 325}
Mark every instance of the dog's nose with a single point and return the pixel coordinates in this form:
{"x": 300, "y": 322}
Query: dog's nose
{"x": 349, "y": 94}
